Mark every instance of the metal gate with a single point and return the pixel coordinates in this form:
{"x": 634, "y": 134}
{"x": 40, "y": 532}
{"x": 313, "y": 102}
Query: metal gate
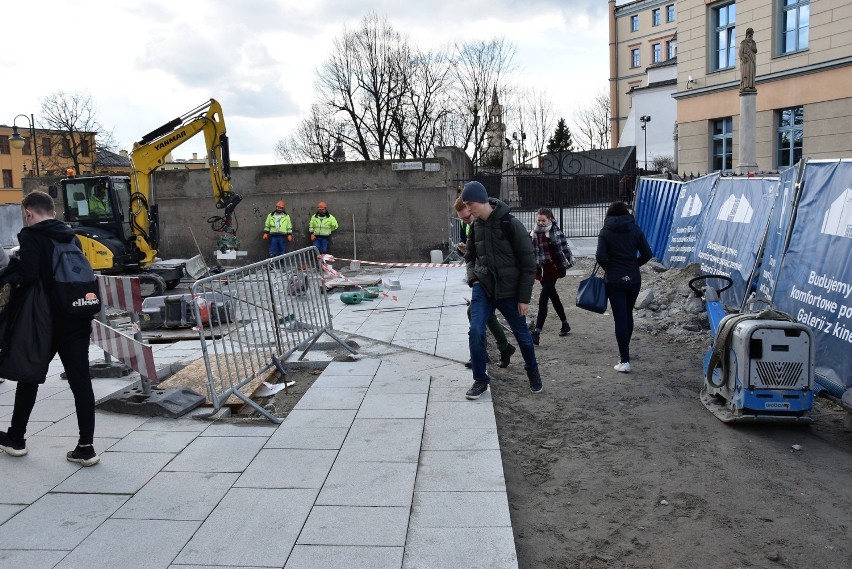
{"x": 577, "y": 186}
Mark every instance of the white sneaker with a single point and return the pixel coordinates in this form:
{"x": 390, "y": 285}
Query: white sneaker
{"x": 622, "y": 367}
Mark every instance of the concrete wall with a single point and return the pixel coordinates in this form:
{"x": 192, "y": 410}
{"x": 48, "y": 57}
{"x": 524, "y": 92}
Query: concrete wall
{"x": 388, "y": 215}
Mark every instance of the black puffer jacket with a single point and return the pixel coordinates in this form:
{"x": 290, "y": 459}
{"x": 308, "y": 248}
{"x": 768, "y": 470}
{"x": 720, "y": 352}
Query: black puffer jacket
{"x": 503, "y": 264}
{"x": 618, "y": 244}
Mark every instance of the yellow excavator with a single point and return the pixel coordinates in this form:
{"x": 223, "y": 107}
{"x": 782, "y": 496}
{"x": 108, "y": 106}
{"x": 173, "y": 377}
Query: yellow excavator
{"x": 116, "y": 218}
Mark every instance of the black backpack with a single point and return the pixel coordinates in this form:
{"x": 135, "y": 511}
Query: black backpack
{"x": 75, "y": 290}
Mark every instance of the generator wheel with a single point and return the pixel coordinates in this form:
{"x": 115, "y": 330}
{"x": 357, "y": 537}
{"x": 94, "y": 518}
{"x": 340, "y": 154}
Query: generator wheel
{"x": 151, "y": 284}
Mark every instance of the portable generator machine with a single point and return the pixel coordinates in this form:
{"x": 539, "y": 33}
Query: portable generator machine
{"x": 760, "y": 366}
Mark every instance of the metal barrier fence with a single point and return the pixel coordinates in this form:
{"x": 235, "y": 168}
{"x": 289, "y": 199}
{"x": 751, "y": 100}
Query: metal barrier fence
{"x": 257, "y": 316}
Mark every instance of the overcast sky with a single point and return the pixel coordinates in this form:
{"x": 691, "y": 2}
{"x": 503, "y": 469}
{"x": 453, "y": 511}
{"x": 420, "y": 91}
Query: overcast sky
{"x": 145, "y": 63}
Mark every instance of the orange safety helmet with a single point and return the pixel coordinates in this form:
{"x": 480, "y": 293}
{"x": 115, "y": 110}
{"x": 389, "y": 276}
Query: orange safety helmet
{"x": 280, "y": 204}
{"x": 322, "y": 206}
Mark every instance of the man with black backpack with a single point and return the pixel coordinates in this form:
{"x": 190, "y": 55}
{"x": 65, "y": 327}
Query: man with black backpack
{"x": 500, "y": 271}
{"x": 71, "y": 306}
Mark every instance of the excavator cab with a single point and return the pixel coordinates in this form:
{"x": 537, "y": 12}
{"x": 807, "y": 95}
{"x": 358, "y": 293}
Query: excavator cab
{"x": 97, "y": 208}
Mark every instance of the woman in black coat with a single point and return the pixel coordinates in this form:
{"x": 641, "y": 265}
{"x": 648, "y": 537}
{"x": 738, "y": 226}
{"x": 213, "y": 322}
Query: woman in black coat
{"x": 622, "y": 249}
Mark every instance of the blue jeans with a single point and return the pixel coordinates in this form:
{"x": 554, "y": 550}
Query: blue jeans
{"x": 321, "y": 243}
{"x": 482, "y": 307}
{"x": 277, "y": 245}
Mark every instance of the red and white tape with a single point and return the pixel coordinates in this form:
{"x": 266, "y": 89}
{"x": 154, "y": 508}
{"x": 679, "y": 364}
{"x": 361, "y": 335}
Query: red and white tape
{"x": 329, "y": 259}
{"x": 327, "y": 268}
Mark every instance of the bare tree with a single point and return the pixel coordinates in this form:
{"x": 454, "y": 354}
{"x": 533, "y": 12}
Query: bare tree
{"x": 364, "y": 80}
{"x": 540, "y": 120}
{"x": 481, "y": 68}
{"x": 591, "y": 128}
{"x": 73, "y": 118}
{"x": 314, "y": 139}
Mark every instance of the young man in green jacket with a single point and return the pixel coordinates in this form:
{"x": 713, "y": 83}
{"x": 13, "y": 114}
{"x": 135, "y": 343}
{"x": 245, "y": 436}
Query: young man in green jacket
{"x": 501, "y": 272}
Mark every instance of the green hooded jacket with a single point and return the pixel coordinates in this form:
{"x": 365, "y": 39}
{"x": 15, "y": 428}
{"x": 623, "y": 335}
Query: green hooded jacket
{"x": 503, "y": 264}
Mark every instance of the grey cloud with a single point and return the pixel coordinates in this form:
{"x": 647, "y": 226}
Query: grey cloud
{"x": 263, "y": 101}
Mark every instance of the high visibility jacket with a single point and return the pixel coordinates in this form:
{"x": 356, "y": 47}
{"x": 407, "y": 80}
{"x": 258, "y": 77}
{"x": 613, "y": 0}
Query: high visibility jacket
{"x": 278, "y": 223}
{"x": 97, "y": 205}
{"x": 322, "y": 226}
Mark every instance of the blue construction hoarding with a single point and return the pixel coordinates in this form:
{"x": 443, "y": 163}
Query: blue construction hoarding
{"x": 814, "y": 284}
{"x": 693, "y": 201}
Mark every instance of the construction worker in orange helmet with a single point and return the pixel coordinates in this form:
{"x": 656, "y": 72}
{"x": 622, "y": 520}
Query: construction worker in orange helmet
{"x": 322, "y": 225}
{"x": 278, "y": 228}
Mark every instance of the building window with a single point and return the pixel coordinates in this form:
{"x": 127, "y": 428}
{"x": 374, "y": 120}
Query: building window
{"x": 634, "y": 57}
{"x": 656, "y": 53}
{"x": 670, "y": 13}
{"x": 724, "y": 37}
{"x": 722, "y": 159}
{"x": 46, "y": 147}
{"x": 655, "y": 17}
{"x": 84, "y": 147}
{"x": 791, "y": 132}
{"x": 634, "y": 23}
{"x": 795, "y": 23}
{"x": 4, "y": 144}
{"x": 7, "y": 178}
{"x": 671, "y": 49}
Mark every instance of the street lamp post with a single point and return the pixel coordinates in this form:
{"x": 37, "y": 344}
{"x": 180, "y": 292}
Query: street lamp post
{"x": 18, "y": 141}
{"x": 645, "y": 119}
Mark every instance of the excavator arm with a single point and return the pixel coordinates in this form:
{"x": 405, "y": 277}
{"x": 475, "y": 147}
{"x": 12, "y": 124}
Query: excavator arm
{"x": 150, "y": 152}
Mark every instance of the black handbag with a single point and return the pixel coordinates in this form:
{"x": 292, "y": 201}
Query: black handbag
{"x": 591, "y": 294}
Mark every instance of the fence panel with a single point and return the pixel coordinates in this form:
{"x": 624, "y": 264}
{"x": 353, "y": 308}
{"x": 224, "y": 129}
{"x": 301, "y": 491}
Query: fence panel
{"x": 258, "y": 316}
{"x": 655, "y": 205}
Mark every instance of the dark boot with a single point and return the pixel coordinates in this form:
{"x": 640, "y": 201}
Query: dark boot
{"x": 506, "y": 356}
{"x": 565, "y": 329}
{"x": 536, "y": 334}
{"x": 535, "y": 381}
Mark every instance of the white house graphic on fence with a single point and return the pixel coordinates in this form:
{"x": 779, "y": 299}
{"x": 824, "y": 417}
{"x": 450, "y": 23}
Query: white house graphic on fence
{"x": 736, "y": 210}
{"x": 838, "y": 219}
{"x": 692, "y": 207}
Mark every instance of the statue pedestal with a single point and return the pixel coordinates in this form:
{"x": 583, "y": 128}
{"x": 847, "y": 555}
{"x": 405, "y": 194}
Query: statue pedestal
{"x": 748, "y": 128}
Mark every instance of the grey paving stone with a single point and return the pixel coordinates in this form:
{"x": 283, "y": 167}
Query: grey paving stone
{"x": 287, "y": 468}
{"x": 460, "y": 471}
{"x": 58, "y": 521}
{"x": 116, "y": 473}
{"x": 383, "y": 440}
{"x": 111, "y": 425}
{"x": 154, "y": 441}
{"x": 437, "y": 437}
{"x": 26, "y": 479}
{"x": 225, "y": 429}
{"x": 52, "y": 409}
{"x": 217, "y": 454}
{"x": 346, "y": 525}
{"x": 386, "y": 384}
{"x": 461, "y": 414}
{"x": 452, "y": 375}
{"x": 460, "y": 510}
{"x": 366, "y": 366}
{"x": 178, "y": 496}
{"x": 14, "y": 559}
{"x": 147, "y": 544}
{"x": 331, "y": 398}
{"x": 307, "y": 438}
{"x": 456, "y": 395}
{"x": 319, "y": 418}
{"x": 9, "y": 510}
{"x": 369, "y": 484}
{"x": 330, "y": 380}
{"x": 261, "y": 528}
{"x": 378, "y": 405}
{"x": 316, "y": 556}
{"x": 166, "y": 424}
{"x": 440, "y": 548}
